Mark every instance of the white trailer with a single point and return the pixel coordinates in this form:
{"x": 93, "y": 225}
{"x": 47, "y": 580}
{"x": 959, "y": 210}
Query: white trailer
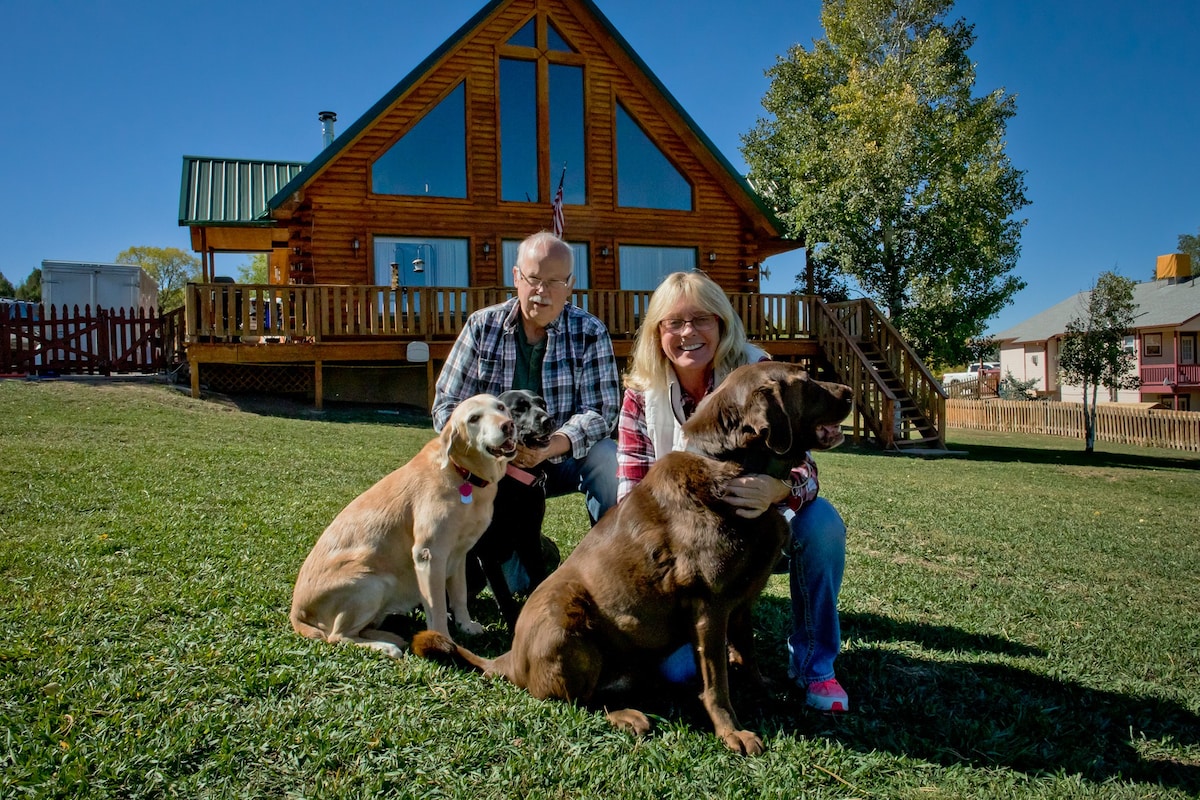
{"x": 98, "y": 285}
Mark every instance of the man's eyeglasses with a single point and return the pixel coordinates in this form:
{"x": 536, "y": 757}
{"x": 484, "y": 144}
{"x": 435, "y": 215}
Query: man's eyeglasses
{"x": 703, "y": 322}
{"x": 538, "y": 284}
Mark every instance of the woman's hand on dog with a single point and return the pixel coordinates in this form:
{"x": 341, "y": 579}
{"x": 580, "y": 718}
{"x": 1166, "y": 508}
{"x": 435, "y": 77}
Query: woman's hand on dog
{"x": 751, "y": 495}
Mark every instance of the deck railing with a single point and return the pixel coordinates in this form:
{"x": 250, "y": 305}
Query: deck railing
{"x": 227, "y": 313}
{"x": 237, "y": 312}
{"x": 864, "y": 323}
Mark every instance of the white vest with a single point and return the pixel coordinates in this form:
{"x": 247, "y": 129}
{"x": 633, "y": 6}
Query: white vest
{"x": 664, "y": 407}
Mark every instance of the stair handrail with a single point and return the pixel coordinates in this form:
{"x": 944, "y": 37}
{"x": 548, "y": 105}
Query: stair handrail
{"x": 859, "y": 374}
{"x": 925, "y": 390}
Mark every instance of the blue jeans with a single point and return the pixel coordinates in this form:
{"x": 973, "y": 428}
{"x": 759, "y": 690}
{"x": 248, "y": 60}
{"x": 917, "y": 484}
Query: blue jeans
{"x": 818, "y": 559}
{"x": 595, "y": 476}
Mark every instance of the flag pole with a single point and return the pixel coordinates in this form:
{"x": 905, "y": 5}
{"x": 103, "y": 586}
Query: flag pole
{"x": 558, "y": 220}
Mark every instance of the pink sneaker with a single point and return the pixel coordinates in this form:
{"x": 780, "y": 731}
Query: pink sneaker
{"x": 828, "y": 696}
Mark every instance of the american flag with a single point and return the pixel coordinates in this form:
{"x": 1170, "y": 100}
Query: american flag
{"x": 559, "y": 224}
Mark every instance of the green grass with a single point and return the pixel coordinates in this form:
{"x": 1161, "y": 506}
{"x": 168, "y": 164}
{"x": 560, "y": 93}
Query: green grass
{"x": 1021, "y": 621}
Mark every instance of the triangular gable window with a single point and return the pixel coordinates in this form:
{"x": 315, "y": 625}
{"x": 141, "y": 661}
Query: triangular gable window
{"x": 555, "y": 42}
{"x": 431, "y": 159}
{"x": 526, "y": 37}
{"x": 645, "y": 177}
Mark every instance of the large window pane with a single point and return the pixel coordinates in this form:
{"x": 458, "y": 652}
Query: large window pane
{"x": 431, "y": 159}
{"x": 643, "y": 268}
{"x": 645, "y": 177}
{"x": 518, "y": 130}
{"x": 566, "y": 133}
{"x": 445, "y": 261}
{"x": 582, "y": 268}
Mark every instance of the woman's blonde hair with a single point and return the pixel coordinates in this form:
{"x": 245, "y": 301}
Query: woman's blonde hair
{"x": 648, "y": 365}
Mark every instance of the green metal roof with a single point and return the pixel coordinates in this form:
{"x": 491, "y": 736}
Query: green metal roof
{"x": 231, "y": 191}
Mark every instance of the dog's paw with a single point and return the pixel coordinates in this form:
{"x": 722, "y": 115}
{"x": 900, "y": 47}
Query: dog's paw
{"x": 746, "y": 743}
{"x": 471, "y": 628}
{"x": 630, "y": 720}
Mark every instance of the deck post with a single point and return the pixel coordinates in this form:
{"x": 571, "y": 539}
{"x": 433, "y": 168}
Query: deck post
{"x": 318, "y": 385}
{"x": 194, "y": 369}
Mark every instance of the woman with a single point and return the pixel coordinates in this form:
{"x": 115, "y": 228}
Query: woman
{"x": 689, "y": 341}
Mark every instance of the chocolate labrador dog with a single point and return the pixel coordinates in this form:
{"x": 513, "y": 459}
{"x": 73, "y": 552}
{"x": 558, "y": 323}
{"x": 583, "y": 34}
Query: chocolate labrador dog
{"x": 517, "y": 514}
{"x": 672, "y": 563}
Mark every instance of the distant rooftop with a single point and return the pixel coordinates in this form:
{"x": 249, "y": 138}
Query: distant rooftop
{"x": 1161, "y": 304}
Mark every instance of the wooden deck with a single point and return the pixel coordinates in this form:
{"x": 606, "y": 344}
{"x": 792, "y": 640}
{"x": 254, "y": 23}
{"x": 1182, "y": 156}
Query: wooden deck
{"x": 319, "y": 326}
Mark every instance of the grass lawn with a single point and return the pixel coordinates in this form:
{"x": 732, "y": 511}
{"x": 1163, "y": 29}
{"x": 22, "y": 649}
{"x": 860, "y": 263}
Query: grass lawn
{"x": 1020, "y": 621}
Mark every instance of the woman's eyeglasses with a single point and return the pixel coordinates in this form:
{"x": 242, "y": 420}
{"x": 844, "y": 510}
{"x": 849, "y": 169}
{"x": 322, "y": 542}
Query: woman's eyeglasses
{"x": 538, "y": 284}
{"x": 703, "y": 322}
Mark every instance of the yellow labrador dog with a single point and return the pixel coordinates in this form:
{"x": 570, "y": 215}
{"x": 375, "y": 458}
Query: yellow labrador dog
{"x": 404, "y": 542}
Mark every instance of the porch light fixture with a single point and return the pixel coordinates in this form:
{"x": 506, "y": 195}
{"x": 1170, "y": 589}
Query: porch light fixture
{"x": 712, "y": 256}
{"x": 354, "y": 245}
{"x": 487, "y": 248}
{"x": 604, "y": 252}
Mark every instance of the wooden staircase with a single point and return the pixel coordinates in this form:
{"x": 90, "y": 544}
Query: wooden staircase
{"x": 898, "y": 403}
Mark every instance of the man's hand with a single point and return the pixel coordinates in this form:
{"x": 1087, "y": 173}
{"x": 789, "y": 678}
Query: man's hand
{"x": 530, "y": 457}
{"x": 751, "y": 495}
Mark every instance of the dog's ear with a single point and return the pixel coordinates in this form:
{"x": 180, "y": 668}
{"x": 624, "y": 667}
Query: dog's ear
{"x": 768, "y": 410}
{"x": 453, "y": 437}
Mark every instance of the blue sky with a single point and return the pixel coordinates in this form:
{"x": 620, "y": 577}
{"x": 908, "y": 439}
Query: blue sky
{"x": 101, "y": 101}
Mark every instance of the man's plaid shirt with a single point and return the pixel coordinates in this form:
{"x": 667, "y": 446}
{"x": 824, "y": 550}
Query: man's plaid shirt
{"x": 579, "y": 372}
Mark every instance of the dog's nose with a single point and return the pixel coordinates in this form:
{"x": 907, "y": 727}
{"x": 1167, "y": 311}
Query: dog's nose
{"x": 507, "y": 428}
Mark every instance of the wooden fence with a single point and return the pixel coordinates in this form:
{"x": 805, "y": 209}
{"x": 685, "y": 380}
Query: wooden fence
{"x": 51, "y": 340}
{"x": 1172, "y": 430}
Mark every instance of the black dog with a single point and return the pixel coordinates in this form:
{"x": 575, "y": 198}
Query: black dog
{"x": 517, "y": 514}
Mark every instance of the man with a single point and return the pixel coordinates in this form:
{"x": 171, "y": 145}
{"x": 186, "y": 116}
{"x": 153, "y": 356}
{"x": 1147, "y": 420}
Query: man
{"x": 538, "y": 341}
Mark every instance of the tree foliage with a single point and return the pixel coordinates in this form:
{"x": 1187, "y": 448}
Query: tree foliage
{"x": 875, "y": 151}
{"x": 1012, "y": 389}
{"x": 1191, "y": 245}
{"x": 256, "y": 270}
{"x": 6, "y": 287}
{"x": 1092, "y": 353}
{"x": 170, "y": 267}
{"x": 31, "y": 288}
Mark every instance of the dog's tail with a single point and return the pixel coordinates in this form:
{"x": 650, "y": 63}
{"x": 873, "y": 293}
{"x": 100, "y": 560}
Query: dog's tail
{"x": 441, "y": 648}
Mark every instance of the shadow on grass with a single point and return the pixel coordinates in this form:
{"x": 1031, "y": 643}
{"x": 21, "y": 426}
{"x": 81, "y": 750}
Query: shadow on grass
{"x": 947, "y": 712}
{"x": 1071, "y": 454}
{"x": 292, "y": 407}
{"x": 982, "y": 715}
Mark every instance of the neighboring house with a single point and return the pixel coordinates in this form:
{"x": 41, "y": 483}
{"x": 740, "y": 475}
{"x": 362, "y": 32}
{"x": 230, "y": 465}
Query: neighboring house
{"x": 462, "y": 159}
{"x": 1164, "y": 339}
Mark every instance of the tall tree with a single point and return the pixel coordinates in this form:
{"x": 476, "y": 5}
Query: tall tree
{"x": 875, "y": 151}
{"x": 170, "y": 267}
{"x": 6, "y": 287}
{"x": 1093, "y": 352}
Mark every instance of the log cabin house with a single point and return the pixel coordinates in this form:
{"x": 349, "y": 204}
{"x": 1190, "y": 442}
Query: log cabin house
{"x": 410, "y": 218}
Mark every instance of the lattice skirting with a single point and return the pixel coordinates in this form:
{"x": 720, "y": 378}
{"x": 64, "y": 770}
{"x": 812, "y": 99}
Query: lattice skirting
{"x": 257, "y": 378}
